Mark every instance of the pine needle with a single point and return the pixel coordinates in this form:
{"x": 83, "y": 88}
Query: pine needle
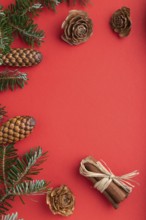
{"x": 37, "y": 187}
{"x": 16, "y": 175}
{"x": 6, "y": 31}
{"x": 12, "y": 79}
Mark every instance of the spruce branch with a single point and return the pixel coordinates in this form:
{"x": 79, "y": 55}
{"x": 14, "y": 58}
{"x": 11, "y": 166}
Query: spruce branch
{"x": 50, "y": 4}
{"x": 26, "y": 167}
{"x": 6, "y": 37}
{"x": 12, "y": 79}
{"x": 36, "y": 187}
{"x": 16, "y": 175}
{"x": 8, "y": 156}
{"x": 2, "y": 112}
{"x": 24, "y": 26}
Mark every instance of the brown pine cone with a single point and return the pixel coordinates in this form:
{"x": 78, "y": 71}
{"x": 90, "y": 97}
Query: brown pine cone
{"x": 77, "y": 27}
{"x": 16, "y": 129}
{"x": 61, "y": 200}
{"x": 21, "y": 57}
{"x": 120, "y": 22}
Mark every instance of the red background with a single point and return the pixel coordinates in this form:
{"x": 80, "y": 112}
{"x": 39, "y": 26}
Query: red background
{"x": 87, "y": 100}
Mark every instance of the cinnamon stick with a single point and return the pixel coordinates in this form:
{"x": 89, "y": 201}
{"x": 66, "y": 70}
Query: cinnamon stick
{"x": 114, "y": 193}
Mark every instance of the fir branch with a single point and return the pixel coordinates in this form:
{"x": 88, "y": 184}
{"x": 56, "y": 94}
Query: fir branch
{"x": 13, "y": 216}
{"x": 26, "y": 29}
{"x": 23, "y": 7}
{"x": 6, "y": 31}
{"x": 12, "y": 79}
{"x": 31, "y": 187}
{"x": 8, "y": 156}
{"x": 36, "y": 187}
{"x": 4, "y": 204}
{"x": 18, "y": 180}
{"x": 26, "y": 167}
{"x": 2, "y": 112}
{"x": 50, "y": 3}
{"x": 19, "y": 18}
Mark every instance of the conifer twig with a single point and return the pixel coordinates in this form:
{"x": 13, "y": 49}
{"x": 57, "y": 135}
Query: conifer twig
{"x": 16, "y": 175}
{"x": 11, "y": 79}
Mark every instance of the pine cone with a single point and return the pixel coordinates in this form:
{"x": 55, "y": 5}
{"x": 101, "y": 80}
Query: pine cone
{"x": 77, "y": 27}
{"x": 120, "y": 22}
{"x": 61, "y": 200}
{"x": 15, "y": 129}
{"x": 21, "y": 57}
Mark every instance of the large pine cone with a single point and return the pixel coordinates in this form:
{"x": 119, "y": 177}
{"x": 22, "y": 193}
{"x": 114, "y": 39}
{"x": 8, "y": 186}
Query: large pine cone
{"x": 15, "y": 129}
{"x": 21, "y": 57}
{"x": 61, "y": 200}
{"x": 121, "y": 22}
{"x": 77, "y": 27}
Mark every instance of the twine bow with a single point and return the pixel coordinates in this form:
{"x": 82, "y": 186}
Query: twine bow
{"x": 106, "y": 176}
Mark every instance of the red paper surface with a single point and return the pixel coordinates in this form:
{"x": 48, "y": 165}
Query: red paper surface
{"x": 87, "y": 100}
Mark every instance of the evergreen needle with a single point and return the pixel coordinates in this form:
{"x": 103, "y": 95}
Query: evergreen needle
{"x": 10, "y": 79}
{"x": 16, "y": 175}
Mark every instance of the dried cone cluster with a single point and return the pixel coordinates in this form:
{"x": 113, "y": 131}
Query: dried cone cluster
{"x": 15, "y": 129}
{"x": 77, "y": 27}
{"x": 61, "y": 200}
{"x": 121, "y": 22}
{"x": 21, "y": 57}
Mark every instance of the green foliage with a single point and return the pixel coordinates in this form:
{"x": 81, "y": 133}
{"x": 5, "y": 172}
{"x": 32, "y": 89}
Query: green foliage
{"x": 16, "y": 175}
{"x": 18, "y": 19}
{"x": 50, "y": 4}
{"x": 8, "y": 156}
{"x": 2, "y": 112}
{"x": 5, "y": 33}
{"x": 24, "y": 168}
{"x": 12, "y": 79}
{"x": 26, "y": 29}
{"x": 22, "y": 24}
{"x": 31, "y": 187}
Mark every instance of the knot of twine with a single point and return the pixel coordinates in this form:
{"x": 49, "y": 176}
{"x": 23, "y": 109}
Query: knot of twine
{"x": 106, "y": 176}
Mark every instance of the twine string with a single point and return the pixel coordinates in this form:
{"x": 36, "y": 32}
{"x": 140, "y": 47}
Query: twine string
{"x": 106, "y": 175}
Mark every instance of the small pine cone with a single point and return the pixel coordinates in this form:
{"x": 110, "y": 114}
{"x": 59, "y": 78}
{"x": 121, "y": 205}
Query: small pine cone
{"x": 21, "y": 57}
{"x": 16, "y": 129}
{"x": 61, "y": 200}
{"x": 77, "y": 27}
{"x": 120, "y": 22}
